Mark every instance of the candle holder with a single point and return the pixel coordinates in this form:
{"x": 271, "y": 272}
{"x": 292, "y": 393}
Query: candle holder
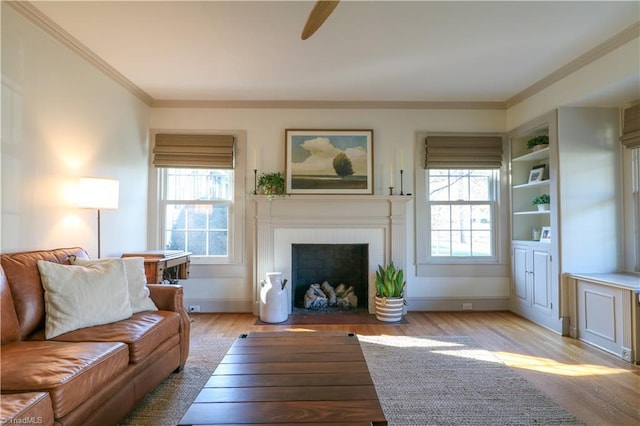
{"x": 391, "y": 190}
{"x": 255, "y": 181}
{"x": 401, "y": 172}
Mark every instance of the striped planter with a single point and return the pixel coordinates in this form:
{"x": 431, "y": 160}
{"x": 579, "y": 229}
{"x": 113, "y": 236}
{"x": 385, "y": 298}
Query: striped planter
{"x": 389, "y": 309}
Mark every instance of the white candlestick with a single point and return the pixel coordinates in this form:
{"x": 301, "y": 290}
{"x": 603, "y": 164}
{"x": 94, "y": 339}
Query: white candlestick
{"x": 390, "y": 174}
{"x": 255, "y": 160}
{"x": 401, "y": 159}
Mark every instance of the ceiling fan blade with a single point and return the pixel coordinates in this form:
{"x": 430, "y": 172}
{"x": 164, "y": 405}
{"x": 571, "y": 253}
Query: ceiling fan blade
{"x": 320, "y": 12}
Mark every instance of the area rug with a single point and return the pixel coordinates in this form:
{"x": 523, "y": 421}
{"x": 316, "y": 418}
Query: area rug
{"x": 420, "y": 381}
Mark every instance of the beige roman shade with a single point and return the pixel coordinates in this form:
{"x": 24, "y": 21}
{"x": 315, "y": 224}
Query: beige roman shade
{"x": 194, "y": 151}
{"x": 631, "y": 127}
{"x": 463, "y": 152}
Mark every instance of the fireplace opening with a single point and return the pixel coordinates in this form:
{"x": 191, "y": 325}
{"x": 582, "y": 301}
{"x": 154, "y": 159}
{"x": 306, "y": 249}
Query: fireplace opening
{"x": 342, "y": 266}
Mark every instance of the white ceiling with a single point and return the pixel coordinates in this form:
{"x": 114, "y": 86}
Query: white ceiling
{"x": 417, "y": 51}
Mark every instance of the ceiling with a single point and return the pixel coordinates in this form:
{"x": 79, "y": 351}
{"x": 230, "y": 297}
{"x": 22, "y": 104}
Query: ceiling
{"x": 412, "y": 51}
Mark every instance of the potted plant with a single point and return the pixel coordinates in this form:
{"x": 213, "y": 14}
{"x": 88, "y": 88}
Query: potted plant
{"x": 271, "y": 185}
{"x": 538, "y": 142}
{"x": 542, "y": 202}
{"x": 390, "y": 300}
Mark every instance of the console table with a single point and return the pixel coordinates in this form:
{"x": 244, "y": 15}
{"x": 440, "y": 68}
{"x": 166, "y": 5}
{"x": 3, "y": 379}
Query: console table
{"x": 159, "y": 262}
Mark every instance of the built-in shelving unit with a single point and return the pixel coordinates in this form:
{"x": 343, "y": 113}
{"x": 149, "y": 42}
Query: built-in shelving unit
{"x": 581, "y": 175}
{"x": 525, "y": 216}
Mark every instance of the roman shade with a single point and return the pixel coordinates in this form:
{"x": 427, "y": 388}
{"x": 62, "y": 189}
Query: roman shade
{"x": 463, "y": 152}
{"x": 194, "y": 151}
{"x": 631, "y": 127}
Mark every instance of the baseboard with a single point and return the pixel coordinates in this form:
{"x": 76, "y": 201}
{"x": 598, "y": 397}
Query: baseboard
{"x": 218, "y": 305}
{"x": 466, "y": 304}
{"x": 414, "y": 304}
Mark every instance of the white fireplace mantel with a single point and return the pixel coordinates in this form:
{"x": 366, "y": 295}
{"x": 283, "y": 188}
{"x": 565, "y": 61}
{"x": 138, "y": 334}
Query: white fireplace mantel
{"x": 378, "y": 221}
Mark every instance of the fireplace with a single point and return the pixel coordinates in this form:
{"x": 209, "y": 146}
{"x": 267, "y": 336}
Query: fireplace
{"x": 346, "y": 264}
{"x": 374, "y": 222}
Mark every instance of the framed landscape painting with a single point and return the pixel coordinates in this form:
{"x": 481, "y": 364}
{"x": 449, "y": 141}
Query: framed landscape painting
{"x": 329, "y": 161}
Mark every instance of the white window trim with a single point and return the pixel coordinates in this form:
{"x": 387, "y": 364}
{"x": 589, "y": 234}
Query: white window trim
{"x": 631, "y": 202}
{"x": 155, "y": 229}
{"x": 498, "y": 265}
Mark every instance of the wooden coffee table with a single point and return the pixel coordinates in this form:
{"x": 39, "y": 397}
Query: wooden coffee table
{"x": 289, "y": 378}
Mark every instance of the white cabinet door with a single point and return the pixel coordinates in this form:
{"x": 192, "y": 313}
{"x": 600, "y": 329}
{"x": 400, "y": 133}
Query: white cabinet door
{"x": 541, "y": 279}
{"x": 521, "y": 273}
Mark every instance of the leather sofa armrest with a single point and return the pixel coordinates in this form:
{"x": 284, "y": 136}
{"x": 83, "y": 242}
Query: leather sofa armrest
{"x": 170, "y": 297}
{"x": 167, "y": 297}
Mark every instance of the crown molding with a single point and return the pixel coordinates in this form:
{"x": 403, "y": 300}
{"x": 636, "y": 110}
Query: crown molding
{"x": 40, "y": 20}
{"x": 273, "y": 104}
{"x": 625, "y": 36}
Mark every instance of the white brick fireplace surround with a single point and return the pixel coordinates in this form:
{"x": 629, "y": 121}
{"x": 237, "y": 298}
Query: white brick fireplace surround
{"x": 378, "y": 221}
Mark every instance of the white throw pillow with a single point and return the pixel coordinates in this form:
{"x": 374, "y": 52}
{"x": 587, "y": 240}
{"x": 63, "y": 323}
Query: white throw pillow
{"x": 83, "y": 296}
{"x": 136, "y": 280}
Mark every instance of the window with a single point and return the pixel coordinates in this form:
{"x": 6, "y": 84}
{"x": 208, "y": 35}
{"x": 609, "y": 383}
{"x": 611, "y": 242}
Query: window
{"x": 635, "y": 166}
{"x": 460, "y": 213}
{"x": 197, "y": 205}
{"x": 461, "y": 205}
{"x": 199, "y": 185}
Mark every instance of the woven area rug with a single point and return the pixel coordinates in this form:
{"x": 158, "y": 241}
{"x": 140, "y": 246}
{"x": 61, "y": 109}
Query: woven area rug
{"x": 420, "y": 381}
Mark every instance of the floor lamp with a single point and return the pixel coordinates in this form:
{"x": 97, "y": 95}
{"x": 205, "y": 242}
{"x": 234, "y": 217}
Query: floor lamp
{"x": 98, "y": 194}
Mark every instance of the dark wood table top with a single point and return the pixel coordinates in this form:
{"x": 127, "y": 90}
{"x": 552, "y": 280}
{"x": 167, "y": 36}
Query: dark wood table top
{"x": 289, "y": 378}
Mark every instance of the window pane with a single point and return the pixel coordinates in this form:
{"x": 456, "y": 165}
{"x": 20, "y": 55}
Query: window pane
{"x": 460, "y": 243}
{"x": 461, "y": 217}
{"x": 481, "y": 216}
{"x": 440, "y": 217}
{"x": 459, "y": 185}
{"x": 440, "y": 243}
{"x": 480, "y": 186}
{"x": 438, "y": 187}
{"x": 481, "y": 244}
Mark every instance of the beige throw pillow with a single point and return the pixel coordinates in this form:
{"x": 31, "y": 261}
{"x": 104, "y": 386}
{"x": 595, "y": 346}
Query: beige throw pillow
{"x": 136, "y": 280}
{"x": 81, "y": 296}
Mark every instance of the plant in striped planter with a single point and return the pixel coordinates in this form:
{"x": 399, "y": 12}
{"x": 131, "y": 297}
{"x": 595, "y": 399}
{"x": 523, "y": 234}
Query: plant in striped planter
{"x": 390, "y": 301}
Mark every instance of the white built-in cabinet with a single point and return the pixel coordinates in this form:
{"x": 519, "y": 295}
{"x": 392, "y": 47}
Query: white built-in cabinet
{"x": 582, "y": 178}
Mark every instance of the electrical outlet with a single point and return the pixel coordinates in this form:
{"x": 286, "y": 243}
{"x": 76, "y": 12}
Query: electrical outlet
{"x": 194, "y": 308}
{"x": 467, "y": 306}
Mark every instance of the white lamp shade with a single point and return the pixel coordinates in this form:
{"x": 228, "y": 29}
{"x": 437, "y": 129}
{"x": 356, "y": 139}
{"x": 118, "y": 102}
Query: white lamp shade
{"x": 98, "y": 193}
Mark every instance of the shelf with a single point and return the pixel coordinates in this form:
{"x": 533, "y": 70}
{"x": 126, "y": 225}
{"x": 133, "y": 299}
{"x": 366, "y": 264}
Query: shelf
{"x": 533, "y": 212}
{"x": 532, "y": 184}
{"x": 533, "y": 156}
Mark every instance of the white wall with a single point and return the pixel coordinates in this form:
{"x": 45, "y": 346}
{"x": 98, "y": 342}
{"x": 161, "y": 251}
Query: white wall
{"x": 394, "y": 130}
{"x": 62, "y": 119}
{"x": 618, "y": 73}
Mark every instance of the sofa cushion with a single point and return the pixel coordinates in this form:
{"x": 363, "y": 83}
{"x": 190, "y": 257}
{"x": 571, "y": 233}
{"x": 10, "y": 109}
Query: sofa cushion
{"x": 70, "y": 372}
{"x": 143, "y": 332}
{"x": 26, "y": 408}
{"x": 136, "y": 280}
{"x": 9, "y": 319}
{"x": 26, "y": 288}
{"x": 83, "y": 296}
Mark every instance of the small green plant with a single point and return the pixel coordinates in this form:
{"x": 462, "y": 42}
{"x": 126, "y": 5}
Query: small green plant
{"x": 541, "y": 199}
{"x": 389, "y": 281}
{"x": 538, "y": 140}
{"x": 271, "y": 184}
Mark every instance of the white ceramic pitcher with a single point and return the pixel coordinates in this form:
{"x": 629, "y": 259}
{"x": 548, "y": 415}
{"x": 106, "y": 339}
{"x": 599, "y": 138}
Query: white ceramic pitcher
{"x": 273, "y": 298}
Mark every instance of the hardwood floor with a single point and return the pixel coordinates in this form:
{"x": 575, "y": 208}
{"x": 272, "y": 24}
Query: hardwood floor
{"x": 595, "y": 386}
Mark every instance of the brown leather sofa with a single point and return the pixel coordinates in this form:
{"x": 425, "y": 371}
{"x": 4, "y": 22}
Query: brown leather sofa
{"x": 90, "y": 376}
